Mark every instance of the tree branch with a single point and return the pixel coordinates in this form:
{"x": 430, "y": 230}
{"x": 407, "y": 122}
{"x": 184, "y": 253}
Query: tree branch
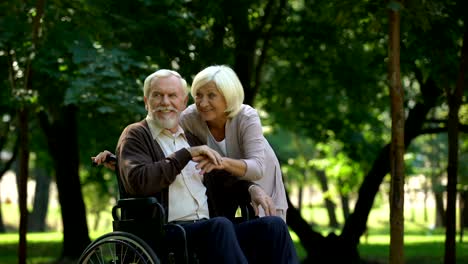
{"x": 266, "y": 42}
{"x": 12, "y": 159}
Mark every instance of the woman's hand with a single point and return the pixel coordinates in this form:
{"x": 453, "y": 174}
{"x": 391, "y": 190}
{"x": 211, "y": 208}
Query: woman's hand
{"x": 235, "y": 167}
{"x": 206, "y": 157}
{"x": 260, "y": 198}
{"x": 205, "y": 165}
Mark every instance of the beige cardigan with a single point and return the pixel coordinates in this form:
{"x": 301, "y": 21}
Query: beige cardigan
{"x": 245, "y": 141}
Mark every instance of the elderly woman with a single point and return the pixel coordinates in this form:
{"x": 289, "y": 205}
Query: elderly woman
{"x": 221, "y": 120}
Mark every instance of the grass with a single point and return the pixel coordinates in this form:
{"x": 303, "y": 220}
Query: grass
{"x": 423, "y": 244}
{"x": 41, "y": 247}
{"x": 419, "y": 248}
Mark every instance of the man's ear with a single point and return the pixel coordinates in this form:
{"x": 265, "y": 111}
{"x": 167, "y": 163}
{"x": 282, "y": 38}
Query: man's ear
{"x": 146, "y": 102}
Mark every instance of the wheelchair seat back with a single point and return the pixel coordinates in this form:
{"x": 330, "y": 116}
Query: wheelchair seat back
{"x": 146, "y": 218}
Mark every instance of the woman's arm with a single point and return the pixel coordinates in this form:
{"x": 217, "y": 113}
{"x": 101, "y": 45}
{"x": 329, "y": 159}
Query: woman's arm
{"x": 234, "y": 166}
{"x": 251, "y": 164}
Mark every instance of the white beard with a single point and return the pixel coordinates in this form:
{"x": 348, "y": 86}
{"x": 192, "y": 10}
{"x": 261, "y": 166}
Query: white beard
{"x": 165, "y": 122}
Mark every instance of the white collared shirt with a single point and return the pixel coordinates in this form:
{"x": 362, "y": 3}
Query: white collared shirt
{"x": 187, "y": 194}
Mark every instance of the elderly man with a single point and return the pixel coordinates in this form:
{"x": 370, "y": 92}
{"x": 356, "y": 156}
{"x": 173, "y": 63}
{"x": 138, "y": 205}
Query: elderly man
{"x": 155, "y": 159}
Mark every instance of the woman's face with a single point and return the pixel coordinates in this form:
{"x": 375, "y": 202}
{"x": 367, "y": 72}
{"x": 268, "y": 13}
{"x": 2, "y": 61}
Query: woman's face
{"x": 210, "y": 103}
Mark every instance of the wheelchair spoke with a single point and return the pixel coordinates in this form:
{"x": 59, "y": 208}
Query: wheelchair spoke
{"x": 112, "y": 252}
{"x": 119, "y": 248}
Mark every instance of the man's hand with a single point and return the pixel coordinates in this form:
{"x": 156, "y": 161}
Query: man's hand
{"x": 260, "y": 198}
{"x": 101, "y": 159}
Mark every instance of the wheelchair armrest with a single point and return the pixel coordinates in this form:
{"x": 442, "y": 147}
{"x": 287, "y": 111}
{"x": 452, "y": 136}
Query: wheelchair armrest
{"x": 139, "y": 201}
{"x": 138, "y": 204}
{"x": 247, "y": 212}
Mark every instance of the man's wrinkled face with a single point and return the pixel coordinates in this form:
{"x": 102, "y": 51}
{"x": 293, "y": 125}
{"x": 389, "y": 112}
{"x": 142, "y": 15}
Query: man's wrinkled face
{"x": 165, "y": 101}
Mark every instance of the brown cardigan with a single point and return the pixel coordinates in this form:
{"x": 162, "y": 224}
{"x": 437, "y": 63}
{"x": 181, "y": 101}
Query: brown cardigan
{"x": 145, "y": 171}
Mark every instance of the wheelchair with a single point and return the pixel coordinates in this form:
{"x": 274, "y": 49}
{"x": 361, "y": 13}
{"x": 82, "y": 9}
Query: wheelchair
{"x": 142, "y": 235}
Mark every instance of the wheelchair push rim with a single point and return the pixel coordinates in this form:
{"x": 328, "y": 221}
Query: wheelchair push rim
{"x": 119, "y": 248}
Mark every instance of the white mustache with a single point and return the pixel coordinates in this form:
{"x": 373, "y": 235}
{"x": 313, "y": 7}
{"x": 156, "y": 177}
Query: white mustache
{"x": 161, "y": 109}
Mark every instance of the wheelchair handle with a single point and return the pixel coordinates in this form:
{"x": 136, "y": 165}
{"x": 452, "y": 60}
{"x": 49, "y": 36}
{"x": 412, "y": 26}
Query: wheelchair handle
{"x": 109, "y": 158}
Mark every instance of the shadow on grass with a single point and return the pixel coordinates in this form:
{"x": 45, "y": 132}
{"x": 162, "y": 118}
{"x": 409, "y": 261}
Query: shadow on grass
{"x": 420, "y": 253}
{"x": 48, "y": 252}
{"x": 37, "y": 252}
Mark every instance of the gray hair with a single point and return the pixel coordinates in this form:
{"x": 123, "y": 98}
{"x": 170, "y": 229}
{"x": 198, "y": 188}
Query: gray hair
{"x": 161, "y": 74}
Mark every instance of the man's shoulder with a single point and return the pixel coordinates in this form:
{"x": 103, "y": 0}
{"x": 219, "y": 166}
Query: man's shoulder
{"x": 138, "y": 125}
{"x": 135, "y": 128}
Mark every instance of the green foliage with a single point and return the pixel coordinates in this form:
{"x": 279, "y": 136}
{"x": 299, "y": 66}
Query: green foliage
{"x": 100, "y": 190}
{"x": 428, "y": 155}
{"x": 320, "y": 90}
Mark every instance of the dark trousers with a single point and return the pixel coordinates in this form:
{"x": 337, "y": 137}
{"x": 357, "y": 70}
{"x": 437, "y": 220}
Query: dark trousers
{"x": 262, "y": 240}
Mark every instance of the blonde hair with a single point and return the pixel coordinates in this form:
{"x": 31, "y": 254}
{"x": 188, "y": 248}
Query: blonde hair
{"x": 162, "y": 74}
{"x": 226, "y": 82}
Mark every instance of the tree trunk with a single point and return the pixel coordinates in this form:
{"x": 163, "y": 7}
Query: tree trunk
{"x": 329, "y": 205}
{"x": 344, "y": 198}
{"x": 412, "y": 204}
{"x": 97, "y": 220}
{"x": 319, "y": 249}
{"x": 440, "y": 209}
{"x": 300, "y": 197}
{"x": 247, "y": 65}
{"x": 23, "y": 182}
{"x": 37, "y": 217}
{"x": 2, "y": 224}
{"x": 23, "y": 118}
{"x": 426, "y": 195}
{"x": 397, "y": 166}
{"x": 345, "y": 205}
{"x": 436, "y": 186}
{"x": 463, "y": 213}
{"x": 63, "y": 146}
{"x": 454, "y": 102}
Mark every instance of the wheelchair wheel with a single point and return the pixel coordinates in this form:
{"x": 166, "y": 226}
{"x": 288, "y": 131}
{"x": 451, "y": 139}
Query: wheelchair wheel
{"x": 119, "y": 248}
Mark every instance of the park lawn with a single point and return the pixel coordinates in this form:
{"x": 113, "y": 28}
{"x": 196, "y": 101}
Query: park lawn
{"x": 42, "y": 248}
{"x": 419, "y": 248}
{"x": 422, "y": 243}
{"x": 427, "y": 248}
